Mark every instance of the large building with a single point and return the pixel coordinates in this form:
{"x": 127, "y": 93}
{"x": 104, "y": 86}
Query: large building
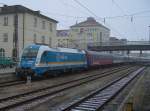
{"x": 89, "y": 32}
{"x": 21, "y": 26}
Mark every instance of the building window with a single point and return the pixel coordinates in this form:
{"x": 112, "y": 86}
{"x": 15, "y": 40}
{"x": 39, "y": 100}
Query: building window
{"x": 98, "y": 38}
{"x": 89, "y": 37}
{"x": 35, "y": 22}
{"x": 81, "y": 30}
{"x": 34, "y": 38}
{"x": 5, "y": 37}
{"x": 2, "y": 52}
{"x": 5, "y": 21}
{"x": 50, "y": 41}
{"x": 43, "y": 39}
{"x": 101, "y": 37}
{"x": 51, "y": 27}
{"x": 43, "y": 24}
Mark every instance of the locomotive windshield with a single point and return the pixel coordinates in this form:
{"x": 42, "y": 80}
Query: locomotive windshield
{"x": 30, "y": 52}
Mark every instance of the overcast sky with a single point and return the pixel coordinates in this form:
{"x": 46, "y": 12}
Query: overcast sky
{"x": 68, "y": 12}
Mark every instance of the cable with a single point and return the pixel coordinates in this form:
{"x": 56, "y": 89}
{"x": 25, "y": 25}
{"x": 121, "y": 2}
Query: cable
{"x": 131, "y": 16}
{"x": 87, "y": 9}
{"x": 57, "y": 14}
{"x": 113, "y": 1}
{"x": 72, "y": 6}
{"x": 128, "y": 15}
{"x": 96, "y": 15}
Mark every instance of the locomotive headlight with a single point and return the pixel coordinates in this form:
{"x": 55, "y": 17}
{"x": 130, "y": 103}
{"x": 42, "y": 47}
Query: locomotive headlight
{"x": 37, "y": 61}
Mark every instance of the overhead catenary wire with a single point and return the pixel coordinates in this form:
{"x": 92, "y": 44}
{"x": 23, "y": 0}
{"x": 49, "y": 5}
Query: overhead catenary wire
{"x": 125, "y": 14}
{"x": 71, "y": 6}
{"x": 100, "y": 18}
{"x": 87, "y": 9}
{"x": 129, "y": 15}
{"x": 96, "y": 17}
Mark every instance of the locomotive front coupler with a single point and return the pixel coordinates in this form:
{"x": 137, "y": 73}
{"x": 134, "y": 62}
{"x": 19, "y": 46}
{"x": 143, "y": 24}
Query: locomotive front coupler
{"x": 29, "y": 74}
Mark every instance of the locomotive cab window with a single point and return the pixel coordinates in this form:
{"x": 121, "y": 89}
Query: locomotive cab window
{"x": 30, "y": 52}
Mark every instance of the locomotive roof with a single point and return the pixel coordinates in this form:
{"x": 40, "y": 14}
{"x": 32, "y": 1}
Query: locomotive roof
{"x": 70, "y": 50}
{"x": 98, "y": 53}
{"x": 58, "y": 49}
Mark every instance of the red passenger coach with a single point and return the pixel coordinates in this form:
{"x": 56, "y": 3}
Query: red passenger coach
{"x": 98, "y": 58}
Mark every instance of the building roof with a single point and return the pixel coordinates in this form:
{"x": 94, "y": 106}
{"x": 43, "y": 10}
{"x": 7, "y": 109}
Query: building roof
{"x": 62, "y": 33}
{"x": 89, "y": 23}
{"x": 116, "y": 39}
{"x": 21, "y": 9}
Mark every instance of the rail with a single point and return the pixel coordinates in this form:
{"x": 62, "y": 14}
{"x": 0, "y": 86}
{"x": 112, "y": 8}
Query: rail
{"x": 16, "y": 100}
{"x": 97, "y": 99}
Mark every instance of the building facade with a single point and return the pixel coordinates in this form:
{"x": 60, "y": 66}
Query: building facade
{"x": 89, "y": 32}
{"x": 63, "y": 38}
{"x": 21, "y": 26}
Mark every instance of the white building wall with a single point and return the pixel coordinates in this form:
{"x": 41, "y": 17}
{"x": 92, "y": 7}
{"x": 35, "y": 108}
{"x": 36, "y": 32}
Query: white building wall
{"x": 92, "y": 35}
{"x": 7, "y": 46}
{"x": 29, "y": 31}
{"x": 53, "y": 39}
{"x": 20, "y": 33}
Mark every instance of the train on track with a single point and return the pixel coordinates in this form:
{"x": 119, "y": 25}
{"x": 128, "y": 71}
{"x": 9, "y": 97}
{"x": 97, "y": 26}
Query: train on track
{"x": 41, "y": 60}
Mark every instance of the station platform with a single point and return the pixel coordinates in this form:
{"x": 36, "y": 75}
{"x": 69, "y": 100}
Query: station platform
{"x": 139, "y": 97}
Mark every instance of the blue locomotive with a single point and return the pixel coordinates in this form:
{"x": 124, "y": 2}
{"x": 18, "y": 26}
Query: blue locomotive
{"x": 41, "y": 60}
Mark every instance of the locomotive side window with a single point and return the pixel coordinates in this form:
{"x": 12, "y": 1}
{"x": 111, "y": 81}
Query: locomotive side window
{"x": 44, "y": 57}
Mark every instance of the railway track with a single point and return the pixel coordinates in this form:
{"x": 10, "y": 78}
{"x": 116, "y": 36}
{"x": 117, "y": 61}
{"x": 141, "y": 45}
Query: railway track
{"x": 18, "y": 82}
{"x": 97, "y": 99}
{"x": 11, "y": 83}
{"x": 16, "y": 100}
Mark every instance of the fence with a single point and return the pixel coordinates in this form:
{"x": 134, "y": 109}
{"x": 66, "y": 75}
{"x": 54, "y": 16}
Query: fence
{"x": 6, "y": 62}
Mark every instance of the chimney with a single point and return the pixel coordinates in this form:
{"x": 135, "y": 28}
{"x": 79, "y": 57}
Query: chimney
{"x": 5, "y": 5}
{"x": 38, "y": 12}
{"x": 90, "y": 19}
{"x": 76, "y": 22}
